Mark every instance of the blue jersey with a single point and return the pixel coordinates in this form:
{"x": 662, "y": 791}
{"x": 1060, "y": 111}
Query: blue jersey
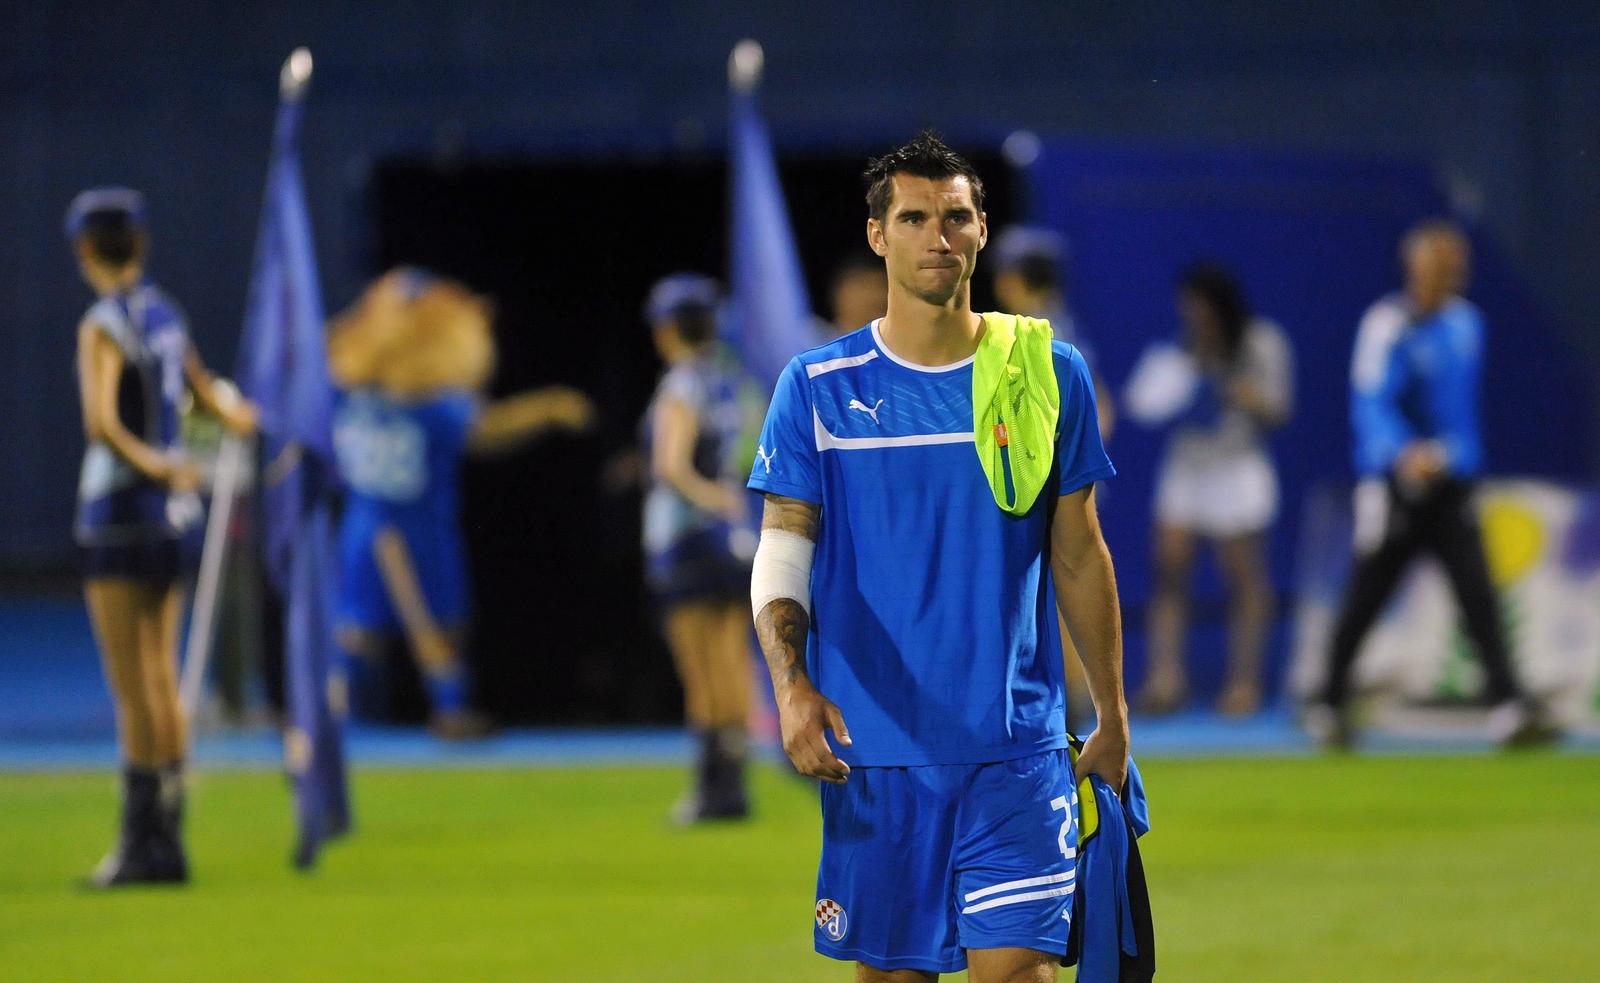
{"x": 116, "y": 502}
{"x": 933, "y": 618}
{"x": 401, "y": 466}
{"x": 1417, "y": 379}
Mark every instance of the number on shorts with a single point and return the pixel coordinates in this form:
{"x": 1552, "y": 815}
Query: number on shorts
{"x": 1067, "y": 851}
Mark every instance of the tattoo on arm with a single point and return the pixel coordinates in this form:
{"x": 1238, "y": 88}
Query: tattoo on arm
{"x": 792, "y": 515}
{"x": 782, "y": 629}
{"x": 783, "y": 624}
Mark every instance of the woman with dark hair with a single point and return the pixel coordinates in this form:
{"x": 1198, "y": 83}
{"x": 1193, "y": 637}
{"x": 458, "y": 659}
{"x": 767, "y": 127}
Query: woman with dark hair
{"x": 1221, "y": 390}
{"x": 698, "y": 540}
{"x": 136, "y": 500}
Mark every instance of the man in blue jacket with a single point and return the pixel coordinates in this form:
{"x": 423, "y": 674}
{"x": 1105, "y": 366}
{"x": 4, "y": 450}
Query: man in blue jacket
{"x": 1414, "y": 408}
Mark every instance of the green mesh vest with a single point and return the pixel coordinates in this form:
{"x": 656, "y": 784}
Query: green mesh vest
{"x": 1015, "y": 404}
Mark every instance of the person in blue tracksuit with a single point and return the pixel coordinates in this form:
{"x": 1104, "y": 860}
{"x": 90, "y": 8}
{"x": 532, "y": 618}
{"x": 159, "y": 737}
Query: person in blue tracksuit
{"x": 1418, "y": 452}
{"x": 137, "y": 503}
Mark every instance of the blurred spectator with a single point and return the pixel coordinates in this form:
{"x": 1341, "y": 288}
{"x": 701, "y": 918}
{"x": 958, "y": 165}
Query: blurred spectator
{"x": 859, "y": 290}
{"x": 1228, "y": 382}
{"x": 697, "y": 539}
{"x": 1414, "y": 408}
{"x": 1028, "y": 263}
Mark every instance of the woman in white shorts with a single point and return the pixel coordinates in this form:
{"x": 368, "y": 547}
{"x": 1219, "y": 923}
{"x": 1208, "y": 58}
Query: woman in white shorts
{"x": 1220, "y": 390}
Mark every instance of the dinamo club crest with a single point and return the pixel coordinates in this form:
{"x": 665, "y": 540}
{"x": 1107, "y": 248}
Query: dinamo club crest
{"x": 831, "y": 918}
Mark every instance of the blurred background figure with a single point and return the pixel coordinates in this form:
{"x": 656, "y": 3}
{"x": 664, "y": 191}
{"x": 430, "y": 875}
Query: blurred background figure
{"x": 1028, "y": 262}
{"x": 1414, "y": 382}
{"x": 1221, "y": 389}
{"x": 413, "y": 356}
{"x": 137, "y": 505}
{"x": 859, "y": 291}
{"x": 698, "y": 538}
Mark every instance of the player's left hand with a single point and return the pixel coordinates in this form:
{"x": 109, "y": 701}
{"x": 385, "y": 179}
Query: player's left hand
{"x": 1105, "y": 754}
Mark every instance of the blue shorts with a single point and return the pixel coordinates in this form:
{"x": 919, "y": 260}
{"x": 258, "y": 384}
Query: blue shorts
{"x": 920, "y": 864}
{"x": 698, "y": 567}
{"x": 439, "y": 560}
{"x": 160, "y": 561}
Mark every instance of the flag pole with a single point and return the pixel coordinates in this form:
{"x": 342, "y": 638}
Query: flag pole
{"x": 213, "y": 560}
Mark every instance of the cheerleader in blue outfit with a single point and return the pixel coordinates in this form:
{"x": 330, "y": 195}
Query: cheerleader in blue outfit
{"x": 412, "y": 357}
{"x": 700, "y": 432}
{"x": 136, "y": 500}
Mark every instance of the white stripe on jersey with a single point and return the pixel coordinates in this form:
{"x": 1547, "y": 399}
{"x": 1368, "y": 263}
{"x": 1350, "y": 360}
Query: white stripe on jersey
{"x": 849, "y": 361}
{"x": 827, "y": 441}
{"x": 1065, "y": 875}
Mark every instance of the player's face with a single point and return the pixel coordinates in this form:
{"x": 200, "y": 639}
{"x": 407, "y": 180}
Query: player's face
{"x": 930, "y": 237}
{"x": 1436, "y": 268}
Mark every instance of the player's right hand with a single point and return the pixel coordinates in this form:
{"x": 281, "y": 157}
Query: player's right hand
{"x": 803, "y": 715}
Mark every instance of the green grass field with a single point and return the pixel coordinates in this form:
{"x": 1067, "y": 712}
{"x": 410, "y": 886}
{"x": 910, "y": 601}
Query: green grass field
{"x": 1458, "y": 869}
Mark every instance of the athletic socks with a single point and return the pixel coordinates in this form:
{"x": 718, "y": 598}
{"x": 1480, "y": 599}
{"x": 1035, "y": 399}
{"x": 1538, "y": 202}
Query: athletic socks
{"x": 721, "y": 779}
{"x": 448, "y": 689}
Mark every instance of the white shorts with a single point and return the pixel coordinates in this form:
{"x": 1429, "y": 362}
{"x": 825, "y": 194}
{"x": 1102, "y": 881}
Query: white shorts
{"x": 1221, "y": 496}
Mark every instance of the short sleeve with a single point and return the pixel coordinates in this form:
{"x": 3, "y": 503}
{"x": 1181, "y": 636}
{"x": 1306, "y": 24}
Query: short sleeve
{"x": 1080, "y": 456}
{"x": 786, "y": 460}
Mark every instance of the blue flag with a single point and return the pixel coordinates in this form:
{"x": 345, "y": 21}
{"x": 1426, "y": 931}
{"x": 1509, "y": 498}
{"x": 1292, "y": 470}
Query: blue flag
{"x": 769, "y": 312}
{"x": 283, "y": 367}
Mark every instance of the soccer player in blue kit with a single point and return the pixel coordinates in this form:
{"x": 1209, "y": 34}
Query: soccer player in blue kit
{"x": 900, "y": 609}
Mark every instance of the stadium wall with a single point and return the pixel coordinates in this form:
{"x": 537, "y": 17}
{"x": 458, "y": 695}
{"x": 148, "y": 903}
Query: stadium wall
{"x": 1501, "y": 98}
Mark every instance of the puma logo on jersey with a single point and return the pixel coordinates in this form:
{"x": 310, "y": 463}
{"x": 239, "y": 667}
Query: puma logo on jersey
{"x": 766, "y": 459}
{"x": 871, "y": 411}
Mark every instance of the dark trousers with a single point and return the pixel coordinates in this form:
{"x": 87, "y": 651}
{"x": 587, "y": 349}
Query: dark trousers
{"x": 1442, "y": 521}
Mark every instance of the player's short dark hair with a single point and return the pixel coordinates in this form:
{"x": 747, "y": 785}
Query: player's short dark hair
{"x": 925, "y": 156}
{"x": 1219, "y": 289}
{"x": 113, "y": 237}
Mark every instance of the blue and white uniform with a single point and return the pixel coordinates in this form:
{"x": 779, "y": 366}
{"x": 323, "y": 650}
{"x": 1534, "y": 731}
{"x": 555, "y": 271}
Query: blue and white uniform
{"x": 130, "y": 524}
{"x": 1417, "y": 379}
{"x": 934, "y": 631}
{"x": 692, "y": 554}
{"x": 401, "y": 466}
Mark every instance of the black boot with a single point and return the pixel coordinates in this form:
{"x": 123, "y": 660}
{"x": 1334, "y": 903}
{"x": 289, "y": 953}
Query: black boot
{"x": 174, "y": 791}
{"x": 686, "y": 811}
{"x": 144, "y": 853}
{"x": 722, "y": 793}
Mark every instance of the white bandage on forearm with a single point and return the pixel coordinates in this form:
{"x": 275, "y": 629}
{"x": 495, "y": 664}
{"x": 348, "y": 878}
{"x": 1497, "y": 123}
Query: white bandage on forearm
{"x": 782, "y": 569}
